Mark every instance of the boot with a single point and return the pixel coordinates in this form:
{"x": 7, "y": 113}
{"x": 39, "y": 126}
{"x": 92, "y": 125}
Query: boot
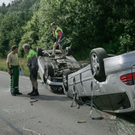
{"x": 35, "y": 93}
{"x": 32, "y": 91}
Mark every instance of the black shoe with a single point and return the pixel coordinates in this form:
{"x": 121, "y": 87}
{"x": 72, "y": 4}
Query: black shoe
{"x": 31, "y": 93}
{"x": 35, "y": 94}
{"x": 18, "y": 93}
{"x": 13, "y": 94}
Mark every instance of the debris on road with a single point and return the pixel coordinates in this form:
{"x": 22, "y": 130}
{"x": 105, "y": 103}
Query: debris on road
{"x": 35, "y": 100}
{"x": 81, "y": 121}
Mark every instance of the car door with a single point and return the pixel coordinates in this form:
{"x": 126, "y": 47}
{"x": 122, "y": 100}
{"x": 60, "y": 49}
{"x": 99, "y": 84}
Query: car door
{"x": 85, "y": 81}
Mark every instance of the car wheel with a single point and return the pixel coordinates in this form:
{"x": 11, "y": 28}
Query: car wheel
{"x": 39, "y": 52}
{"x": 68, "y": 51}
{"x": 48, "y": 72}
{"x": 66, "y": 72}
{"x": 96, "y": 61}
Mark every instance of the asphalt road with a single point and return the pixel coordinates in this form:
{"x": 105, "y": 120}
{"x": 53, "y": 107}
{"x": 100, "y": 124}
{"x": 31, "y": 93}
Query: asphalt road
{"x": 51, "y": 114}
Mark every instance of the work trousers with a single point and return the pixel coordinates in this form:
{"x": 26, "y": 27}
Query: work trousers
{"x": 14, "y": 79}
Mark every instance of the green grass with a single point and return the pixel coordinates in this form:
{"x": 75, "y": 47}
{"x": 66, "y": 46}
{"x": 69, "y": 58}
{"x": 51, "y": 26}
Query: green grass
{"x": 23, "y": 65}
{"x": 3, "y": 66}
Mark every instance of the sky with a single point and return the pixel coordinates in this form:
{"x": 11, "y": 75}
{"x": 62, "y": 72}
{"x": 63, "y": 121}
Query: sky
{"x": 5, "y": 1}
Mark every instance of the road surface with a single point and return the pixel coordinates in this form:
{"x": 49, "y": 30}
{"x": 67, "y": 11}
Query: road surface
{"x": 51, "y": 114}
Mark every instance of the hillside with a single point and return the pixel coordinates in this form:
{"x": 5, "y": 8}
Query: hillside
{"x": 87, "y": 24}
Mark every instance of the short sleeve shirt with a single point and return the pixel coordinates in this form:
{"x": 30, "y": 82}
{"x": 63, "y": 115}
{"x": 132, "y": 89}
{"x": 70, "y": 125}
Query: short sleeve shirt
{"x": 12, "y": 59}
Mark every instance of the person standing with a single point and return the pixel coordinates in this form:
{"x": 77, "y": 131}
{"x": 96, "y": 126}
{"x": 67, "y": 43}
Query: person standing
{"x": 13, "y": 70}
{"x": 59, "y": 36}
{"x": 32, "y": 63}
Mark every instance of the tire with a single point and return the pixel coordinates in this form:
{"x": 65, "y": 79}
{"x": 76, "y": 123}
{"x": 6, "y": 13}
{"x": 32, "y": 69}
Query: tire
{"x": 68, "y": 51}
{"x": 39, "y": 52}
{"x": 96, "y": 61}
{"x": 48, "y": 71}
{"x": 66, "y": 72}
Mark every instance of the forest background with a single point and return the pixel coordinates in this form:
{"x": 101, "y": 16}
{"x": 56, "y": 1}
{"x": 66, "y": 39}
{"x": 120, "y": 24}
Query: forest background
{"x": 87, "y": 24}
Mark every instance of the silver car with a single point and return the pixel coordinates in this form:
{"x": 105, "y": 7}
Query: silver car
{"x": 51, "y": 69}
{"x": 108, "y": 80}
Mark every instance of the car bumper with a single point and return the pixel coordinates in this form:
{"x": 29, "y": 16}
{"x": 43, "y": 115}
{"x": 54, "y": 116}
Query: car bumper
{"x": 55, "y": 81}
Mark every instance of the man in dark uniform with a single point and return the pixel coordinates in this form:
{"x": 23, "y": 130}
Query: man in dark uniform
{"x": 13, "y": 70}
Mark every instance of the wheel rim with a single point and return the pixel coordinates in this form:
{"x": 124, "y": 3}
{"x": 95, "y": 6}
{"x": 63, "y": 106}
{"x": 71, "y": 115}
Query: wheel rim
{"x": 95, "y": 63}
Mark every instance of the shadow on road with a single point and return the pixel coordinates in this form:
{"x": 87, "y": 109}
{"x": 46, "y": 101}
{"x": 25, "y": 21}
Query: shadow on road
{"x": 48, "y": 97}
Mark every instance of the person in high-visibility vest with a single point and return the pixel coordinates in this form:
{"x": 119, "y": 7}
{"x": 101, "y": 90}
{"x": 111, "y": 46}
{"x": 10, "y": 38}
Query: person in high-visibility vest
{"x": 59, "y": 36}
{"x": 13, "y": 70}
{"x": 32, "y": 63}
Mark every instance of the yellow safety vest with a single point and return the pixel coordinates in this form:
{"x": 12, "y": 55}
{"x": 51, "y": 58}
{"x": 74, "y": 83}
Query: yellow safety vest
{"x": 31, "y": 53}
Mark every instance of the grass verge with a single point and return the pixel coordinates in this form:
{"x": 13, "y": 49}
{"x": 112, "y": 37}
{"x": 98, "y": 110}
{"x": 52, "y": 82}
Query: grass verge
{"x": 23, "y": 65}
